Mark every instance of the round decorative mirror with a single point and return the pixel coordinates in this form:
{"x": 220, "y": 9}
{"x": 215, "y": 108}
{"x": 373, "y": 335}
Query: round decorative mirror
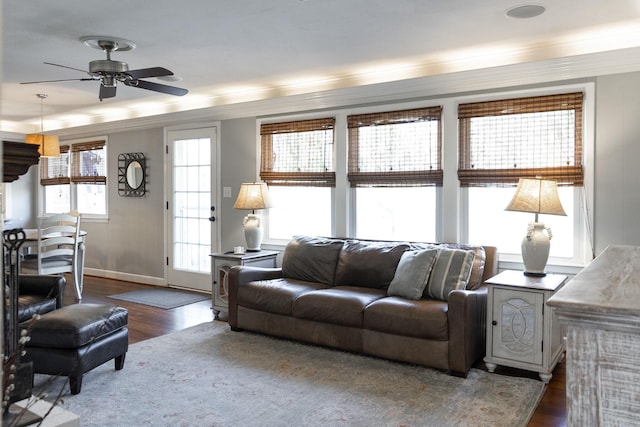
{"x": 135, "y": 174}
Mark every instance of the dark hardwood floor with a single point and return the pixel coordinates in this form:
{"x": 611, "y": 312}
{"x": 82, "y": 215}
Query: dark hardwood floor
{"x": 147, "y": 322}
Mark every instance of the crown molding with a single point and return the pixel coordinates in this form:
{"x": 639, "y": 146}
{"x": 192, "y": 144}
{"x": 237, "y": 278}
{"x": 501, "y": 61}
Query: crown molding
{"x": 588, "y": 66}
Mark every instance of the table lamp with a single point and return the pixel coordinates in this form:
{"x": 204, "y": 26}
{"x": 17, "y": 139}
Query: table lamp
{"x": 253, "y": 196}
{"x": 539, "y": 196}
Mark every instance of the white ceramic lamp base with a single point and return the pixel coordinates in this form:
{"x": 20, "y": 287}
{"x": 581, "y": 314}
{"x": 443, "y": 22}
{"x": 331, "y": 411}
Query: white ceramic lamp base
{"x": 535, "y": 249}
{"x": 253, "y": 232}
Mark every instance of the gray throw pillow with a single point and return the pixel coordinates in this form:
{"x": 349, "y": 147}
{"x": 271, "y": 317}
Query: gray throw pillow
{"x": 412, "y": 274}
{"x": 450, "y": 271}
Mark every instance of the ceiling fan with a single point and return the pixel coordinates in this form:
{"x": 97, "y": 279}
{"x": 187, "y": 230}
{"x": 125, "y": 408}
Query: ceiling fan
{"x": 109, "y": 72}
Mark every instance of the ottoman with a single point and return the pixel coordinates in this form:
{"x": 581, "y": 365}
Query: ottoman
{"x": 74, "y": 339}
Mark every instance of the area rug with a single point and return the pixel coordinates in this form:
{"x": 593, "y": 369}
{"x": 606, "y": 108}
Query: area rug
{"x": 161, "y": 297}
{"x": 207, "y": 375}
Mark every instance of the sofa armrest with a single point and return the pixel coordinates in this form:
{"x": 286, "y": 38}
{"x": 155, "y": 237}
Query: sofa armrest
{"x": 239, "y": 275}
{"x": 467, "y": 328}
{"x": 43, "y": 285}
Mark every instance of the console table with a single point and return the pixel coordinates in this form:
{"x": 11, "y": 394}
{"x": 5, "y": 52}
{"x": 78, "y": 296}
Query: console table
{"x": 600, "y": 307}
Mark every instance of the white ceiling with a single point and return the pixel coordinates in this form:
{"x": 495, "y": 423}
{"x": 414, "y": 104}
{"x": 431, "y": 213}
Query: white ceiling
{"x": 229, "y": 51}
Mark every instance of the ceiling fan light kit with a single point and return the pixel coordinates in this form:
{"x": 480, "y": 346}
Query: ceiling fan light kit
{"x": 109, "y": 72}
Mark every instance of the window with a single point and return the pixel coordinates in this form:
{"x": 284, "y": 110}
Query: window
{"x": 76, "y": 180}
{"x": 502, "y": 141}
{"x": 297, "y": 162}
{"x": 394, "y": 166}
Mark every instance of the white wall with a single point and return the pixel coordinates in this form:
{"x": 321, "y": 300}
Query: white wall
{"x": 617, "y": 161}
{"x": 132, "y": 241}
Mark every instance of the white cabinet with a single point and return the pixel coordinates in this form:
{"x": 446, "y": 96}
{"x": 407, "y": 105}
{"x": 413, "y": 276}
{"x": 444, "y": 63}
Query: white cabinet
{"x": 522, "y": 331}
{"x": 220, "y": 266}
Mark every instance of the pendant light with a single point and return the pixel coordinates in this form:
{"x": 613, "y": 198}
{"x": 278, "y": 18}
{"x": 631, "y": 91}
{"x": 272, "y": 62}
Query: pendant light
{"x": 48, "y": 145}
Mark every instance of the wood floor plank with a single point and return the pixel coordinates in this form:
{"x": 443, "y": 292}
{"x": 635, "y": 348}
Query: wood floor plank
{"x": 147, "y": 322}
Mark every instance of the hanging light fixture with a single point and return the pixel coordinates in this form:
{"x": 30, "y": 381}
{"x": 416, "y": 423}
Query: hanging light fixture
{"x": 48, "y": 145}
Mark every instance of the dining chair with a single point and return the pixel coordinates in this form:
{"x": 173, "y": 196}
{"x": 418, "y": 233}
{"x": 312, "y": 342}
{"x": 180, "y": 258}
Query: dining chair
{"x": 57, "y": 247}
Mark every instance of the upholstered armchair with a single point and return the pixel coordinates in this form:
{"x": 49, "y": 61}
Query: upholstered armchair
{"x": 39, "y": 294}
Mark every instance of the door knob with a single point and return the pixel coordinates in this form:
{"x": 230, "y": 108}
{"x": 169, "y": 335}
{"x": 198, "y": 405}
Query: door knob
{"x": 212, "y": 218}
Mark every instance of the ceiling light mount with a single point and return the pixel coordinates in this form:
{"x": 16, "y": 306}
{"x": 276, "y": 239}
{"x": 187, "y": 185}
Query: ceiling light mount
{"x": 525, "y": 11}
{"x": 108, "y": 43}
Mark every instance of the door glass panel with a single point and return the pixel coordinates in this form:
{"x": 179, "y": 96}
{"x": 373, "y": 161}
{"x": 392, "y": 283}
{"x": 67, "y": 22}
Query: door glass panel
{"x": 191, "y": 202}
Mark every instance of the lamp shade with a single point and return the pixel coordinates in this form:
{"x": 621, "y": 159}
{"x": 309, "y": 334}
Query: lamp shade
{"x": 539, "y": 196}
{"x": 48, "y": 145}
{"x": 253, "y": 196}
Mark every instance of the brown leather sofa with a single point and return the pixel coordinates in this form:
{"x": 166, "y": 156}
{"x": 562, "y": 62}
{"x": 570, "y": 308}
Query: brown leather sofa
{"x": 343, "y": 293}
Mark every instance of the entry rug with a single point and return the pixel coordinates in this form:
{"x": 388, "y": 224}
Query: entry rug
{"x": 208, "y": 375}
{"x": 161, "y": 298}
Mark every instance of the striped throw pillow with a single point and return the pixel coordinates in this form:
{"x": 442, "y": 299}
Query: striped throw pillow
{"x": 450, "y": 271}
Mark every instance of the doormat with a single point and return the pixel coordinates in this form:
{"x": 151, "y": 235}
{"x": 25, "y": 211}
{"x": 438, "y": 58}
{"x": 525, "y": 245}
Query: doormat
{"x": 161, "y": 298}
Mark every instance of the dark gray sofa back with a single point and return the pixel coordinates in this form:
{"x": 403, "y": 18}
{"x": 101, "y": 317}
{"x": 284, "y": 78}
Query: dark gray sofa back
{"x": 368, "y": 264}
{"x": 312, "y": 259}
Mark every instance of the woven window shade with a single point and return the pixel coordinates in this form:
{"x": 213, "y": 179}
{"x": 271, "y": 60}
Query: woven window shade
{"x": 88, "y": 162}
{"x": 55, "y": 170}
{"x": 396, "y": 149}
{"x": 298, "y": 153}
{"x": 502, "y": 141}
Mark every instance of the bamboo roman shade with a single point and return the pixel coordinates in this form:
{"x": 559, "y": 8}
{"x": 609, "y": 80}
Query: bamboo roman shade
{"x": 397, "y": 148}
{"x": 55, "y": 170}
{"x": 298, "y": 153}
{"x": 88, "y": 162}
{"x": 502, "y": 141}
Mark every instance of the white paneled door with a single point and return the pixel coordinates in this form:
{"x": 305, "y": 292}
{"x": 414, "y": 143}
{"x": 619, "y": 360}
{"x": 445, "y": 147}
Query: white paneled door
{"x": 191, "y": 184}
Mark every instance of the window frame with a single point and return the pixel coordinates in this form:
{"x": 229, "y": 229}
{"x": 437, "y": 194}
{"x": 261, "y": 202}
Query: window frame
{"x": 582, "y": 197}
{"x": 74, "y": 178}
{"x": 452, "y": 211}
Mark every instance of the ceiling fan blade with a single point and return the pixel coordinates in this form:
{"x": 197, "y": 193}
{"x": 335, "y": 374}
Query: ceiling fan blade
{"x": 149, "y": 72}
{"x": 106, "y": 92}
{"x": 66, "y": 66}
{"x": 157, "y": 87}
{"x": 59, "y": 80}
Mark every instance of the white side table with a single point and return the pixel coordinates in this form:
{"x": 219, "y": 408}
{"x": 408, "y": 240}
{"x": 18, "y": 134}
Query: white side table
{"x": 220, "y": 266}
{"x": 522, "y": 332}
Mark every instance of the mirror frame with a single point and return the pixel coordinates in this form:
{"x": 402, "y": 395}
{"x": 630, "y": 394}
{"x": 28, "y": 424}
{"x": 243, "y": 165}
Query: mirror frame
{"x": 124, "y": 188}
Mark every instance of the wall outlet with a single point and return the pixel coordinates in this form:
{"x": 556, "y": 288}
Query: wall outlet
{"x": 226, "y": 192}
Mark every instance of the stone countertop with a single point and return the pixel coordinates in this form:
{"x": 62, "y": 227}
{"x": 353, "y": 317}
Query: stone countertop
{"x": 610, "y": 284}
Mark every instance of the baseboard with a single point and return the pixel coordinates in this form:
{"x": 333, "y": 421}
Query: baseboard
{"x": 118, "y": 275}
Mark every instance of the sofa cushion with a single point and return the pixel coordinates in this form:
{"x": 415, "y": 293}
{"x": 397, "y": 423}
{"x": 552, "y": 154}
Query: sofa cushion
{"x": 274, "y": 296}
{"x": 75, "y": 325}
{"x": 412, "y": 274}
{"x": 341, "y": 305}
{"x": 425, "y": 318}
{"x": 450, "y": 271}
{"x": 311, "y": 259}
{"x": 477, "y": 270}
{"x": 368, "y": 264}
